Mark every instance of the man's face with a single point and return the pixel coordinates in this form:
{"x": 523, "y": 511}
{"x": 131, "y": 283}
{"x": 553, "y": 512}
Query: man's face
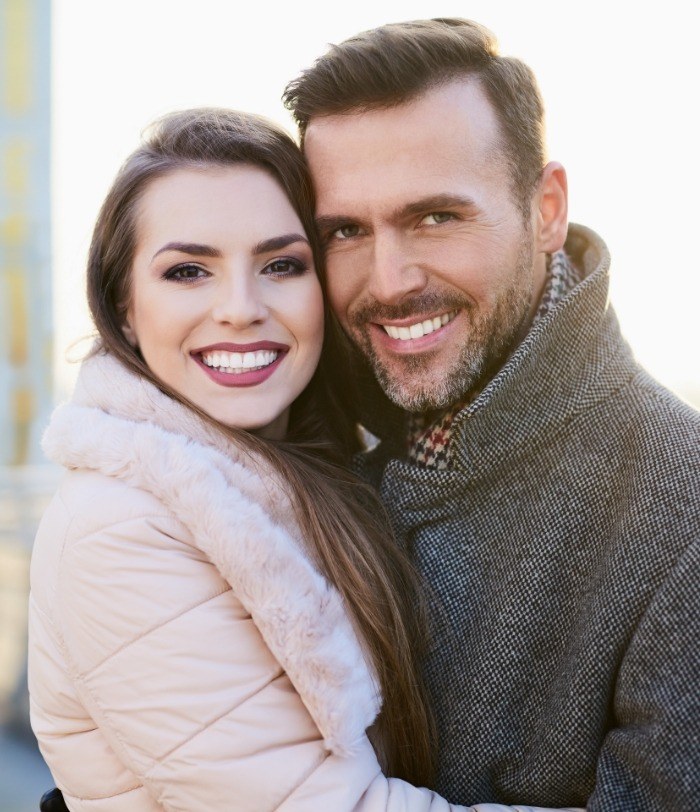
{"x": 432, "y": 269}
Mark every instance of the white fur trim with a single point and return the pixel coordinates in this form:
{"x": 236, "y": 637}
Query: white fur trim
{"x": 229, "y": 504}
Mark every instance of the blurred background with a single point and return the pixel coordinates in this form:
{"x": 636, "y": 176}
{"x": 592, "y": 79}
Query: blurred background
{"x": 79, "y": 79}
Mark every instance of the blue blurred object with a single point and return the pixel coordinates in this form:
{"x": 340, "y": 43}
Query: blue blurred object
{"x": 23, "y": 774}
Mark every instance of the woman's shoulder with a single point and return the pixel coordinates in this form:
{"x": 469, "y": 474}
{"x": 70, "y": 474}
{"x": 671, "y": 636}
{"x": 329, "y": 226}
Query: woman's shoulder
{"x": 97, "y": 526}
{"x": 89, "y": 502}
{"x": 111, "y": 554}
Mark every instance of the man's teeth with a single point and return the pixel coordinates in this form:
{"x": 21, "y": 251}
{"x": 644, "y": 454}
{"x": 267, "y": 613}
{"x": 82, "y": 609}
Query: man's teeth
{"x": 237, "y": 362}
{"x": 420, "y": 328}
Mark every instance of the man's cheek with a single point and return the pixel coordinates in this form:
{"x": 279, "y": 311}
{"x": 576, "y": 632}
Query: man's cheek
{"x": 340, "y": 293}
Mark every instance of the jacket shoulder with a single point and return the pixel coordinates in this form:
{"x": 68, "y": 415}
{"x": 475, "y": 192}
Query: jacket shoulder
{"x": 659, "y": 430}
{"x": 89, "y": 501}
{"x": 110, "y": 560}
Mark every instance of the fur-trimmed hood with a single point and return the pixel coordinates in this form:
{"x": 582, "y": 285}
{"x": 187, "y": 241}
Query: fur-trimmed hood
{"x": 123, "y": 427}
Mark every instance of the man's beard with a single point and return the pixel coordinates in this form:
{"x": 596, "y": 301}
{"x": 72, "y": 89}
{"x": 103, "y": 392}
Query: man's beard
{"x": 414, "y": 382}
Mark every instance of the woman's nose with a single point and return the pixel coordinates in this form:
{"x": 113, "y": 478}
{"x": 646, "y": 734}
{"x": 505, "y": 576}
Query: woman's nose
{"x": 238, "y": 301}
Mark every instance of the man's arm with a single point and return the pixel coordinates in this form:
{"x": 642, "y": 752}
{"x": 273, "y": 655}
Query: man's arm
{"x": 651, "y": 760}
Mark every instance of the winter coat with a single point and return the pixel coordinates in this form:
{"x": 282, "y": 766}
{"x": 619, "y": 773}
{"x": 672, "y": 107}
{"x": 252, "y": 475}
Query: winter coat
{"x": 184, "y": 652}
{"x": 563, "y": 546}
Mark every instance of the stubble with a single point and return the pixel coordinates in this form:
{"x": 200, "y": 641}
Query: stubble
{"x": 417, "y": 383}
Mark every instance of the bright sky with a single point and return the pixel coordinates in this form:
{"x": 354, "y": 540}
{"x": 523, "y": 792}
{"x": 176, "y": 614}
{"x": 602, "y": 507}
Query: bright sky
{"x": 619, "y": 81}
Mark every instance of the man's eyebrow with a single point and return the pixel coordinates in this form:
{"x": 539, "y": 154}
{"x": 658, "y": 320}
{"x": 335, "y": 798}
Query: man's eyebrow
{"x": 432, "y": 203}
{"x": 327, "y": 224}
{"x": 435, "y": 203}
{"x": 193, "y": 248}
{"x": 275, "y": 243}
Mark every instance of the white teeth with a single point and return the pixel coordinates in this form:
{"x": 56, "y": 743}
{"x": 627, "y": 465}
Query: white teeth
{"x": 420, "y": 328}
{"x": 237, "y": 362}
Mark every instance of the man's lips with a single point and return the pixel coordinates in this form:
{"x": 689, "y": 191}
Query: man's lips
{"x": 412, "y": 329}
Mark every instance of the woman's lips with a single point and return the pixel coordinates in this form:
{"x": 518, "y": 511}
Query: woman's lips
{"x": 230, "y": 364}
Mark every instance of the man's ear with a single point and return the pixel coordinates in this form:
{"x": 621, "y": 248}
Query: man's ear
{"x": 552, "y": 212}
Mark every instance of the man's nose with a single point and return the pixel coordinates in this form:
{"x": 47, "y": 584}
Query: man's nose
{"x": 394, "y": 274}
{"x": 239, "y": 301}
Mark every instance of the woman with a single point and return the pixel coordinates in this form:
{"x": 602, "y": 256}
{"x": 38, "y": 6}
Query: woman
{"x": 216, "y": 603}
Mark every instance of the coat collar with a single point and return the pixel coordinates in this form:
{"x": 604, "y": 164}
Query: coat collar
{"x": 572, "y": 358}
{"x": 240, "y": 516}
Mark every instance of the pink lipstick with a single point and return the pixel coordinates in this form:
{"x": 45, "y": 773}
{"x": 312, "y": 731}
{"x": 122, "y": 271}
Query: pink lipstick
{"x": 231, "y": 364}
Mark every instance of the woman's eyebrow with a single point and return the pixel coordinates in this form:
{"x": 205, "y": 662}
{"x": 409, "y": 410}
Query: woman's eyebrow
{"x": 193, "y": 248}
{"x": 199, "y": 250}
{"x": 275, "y": 243}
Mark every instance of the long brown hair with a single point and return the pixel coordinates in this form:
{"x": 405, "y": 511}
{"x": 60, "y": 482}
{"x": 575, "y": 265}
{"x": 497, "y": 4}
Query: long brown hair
{"x": 341, "y": 518}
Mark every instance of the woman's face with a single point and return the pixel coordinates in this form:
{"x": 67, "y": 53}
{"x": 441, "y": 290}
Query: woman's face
{"x": 225, "y": 304}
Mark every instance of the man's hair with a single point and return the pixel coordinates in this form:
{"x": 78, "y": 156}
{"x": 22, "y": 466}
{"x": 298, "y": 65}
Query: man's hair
{"x": 393, "y": 64}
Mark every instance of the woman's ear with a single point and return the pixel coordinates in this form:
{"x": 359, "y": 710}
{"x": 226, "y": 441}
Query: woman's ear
{"x": 129, "y": 332}
{"x": 552, "y": 209}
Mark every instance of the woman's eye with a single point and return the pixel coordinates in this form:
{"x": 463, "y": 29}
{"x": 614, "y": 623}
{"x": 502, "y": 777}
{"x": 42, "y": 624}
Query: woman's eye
{"x": 436, "y": 218}
{"x": 281, "y": 268}
{"x": 185, "y": 273}
{"x": 346, "y": 232}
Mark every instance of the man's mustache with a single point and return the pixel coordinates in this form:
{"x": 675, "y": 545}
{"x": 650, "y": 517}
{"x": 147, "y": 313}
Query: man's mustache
{"x": 427, "y": 304}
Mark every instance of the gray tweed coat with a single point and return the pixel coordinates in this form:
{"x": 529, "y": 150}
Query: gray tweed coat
{"x": 561, "y": 551}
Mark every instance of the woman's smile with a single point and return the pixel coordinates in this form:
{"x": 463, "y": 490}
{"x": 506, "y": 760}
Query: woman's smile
{"x": 241, "y": 364}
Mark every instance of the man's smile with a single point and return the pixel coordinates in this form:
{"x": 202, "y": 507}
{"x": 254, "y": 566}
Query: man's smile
{"x": 418, "y": 329}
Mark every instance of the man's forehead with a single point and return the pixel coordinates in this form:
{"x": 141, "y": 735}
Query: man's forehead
{"x": 416, "y": 148}
{"x": 458, "y": 110}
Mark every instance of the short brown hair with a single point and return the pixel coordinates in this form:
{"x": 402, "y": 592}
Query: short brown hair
{"x": 395, "y": 63}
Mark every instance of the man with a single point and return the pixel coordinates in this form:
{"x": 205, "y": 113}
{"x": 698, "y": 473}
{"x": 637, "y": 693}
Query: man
{"x": 547, "y": 487}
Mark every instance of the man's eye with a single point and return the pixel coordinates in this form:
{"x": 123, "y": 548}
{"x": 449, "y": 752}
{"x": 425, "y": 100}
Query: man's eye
{"x": 346, "y": 232}
{"x": 435, "y": 218}
{"x": 185, "y": 273}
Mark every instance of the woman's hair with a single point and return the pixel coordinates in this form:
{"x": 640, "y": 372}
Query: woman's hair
{"x": 345, "y": 526}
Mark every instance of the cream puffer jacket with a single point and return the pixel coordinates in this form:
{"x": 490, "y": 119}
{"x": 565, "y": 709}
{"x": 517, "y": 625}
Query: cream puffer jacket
{"x": 184, "y": 653}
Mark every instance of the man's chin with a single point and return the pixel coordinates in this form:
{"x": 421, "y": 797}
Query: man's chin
{"x": 418, "y": 389}
{"x": 415, "y": 402}
{"x": 427, "y": 381}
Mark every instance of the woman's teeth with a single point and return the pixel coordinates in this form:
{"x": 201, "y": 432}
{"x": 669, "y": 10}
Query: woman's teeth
{"x": 420, "y": 328}
{"x": 238, "y": 362}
